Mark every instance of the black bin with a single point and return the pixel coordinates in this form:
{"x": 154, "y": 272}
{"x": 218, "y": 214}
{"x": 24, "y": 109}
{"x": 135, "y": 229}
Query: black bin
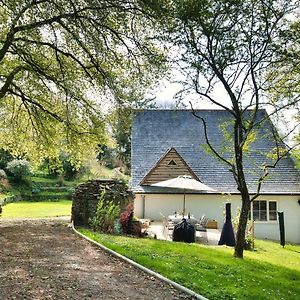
{"x": 184, "y": 232}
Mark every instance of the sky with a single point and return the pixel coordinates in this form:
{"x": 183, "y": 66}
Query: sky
{"x": 166, "y": 91}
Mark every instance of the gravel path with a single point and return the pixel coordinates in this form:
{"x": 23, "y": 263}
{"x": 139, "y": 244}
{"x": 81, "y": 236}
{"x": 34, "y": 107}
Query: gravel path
{"x": 44, "y": 259}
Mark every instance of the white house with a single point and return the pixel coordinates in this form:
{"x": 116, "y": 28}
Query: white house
{"x": 168, "y": 143}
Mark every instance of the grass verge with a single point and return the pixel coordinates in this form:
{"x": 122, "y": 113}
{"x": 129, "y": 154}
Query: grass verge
{"x": 270, "y": 272}
{"x": 26, "y": 209}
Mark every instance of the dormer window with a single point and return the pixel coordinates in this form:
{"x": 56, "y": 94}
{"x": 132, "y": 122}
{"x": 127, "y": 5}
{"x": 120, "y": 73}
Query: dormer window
{"x": 172, "y": 163}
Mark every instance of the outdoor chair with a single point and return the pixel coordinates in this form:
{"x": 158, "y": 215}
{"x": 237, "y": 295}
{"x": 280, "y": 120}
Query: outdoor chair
{"x": 202, "y": 225}
{"x": 167, "y": 224}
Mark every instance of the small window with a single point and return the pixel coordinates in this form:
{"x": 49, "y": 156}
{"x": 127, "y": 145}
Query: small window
{"x": 260, "y": 210}
{"x": 272, "y": 210}
{"x": 172, "y": 163}
{"x": 264, "y": 210}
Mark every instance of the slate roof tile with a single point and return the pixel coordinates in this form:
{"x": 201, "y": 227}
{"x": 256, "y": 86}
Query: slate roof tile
{"x": 156, "y": 131}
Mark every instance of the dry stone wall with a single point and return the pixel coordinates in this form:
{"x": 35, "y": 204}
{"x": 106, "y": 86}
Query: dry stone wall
{"x": 87, "y": 195}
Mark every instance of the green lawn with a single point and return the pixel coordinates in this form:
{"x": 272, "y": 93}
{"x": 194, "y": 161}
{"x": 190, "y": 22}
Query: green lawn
{"x": 43, "y": 209}
{"x": 269, "y": 272}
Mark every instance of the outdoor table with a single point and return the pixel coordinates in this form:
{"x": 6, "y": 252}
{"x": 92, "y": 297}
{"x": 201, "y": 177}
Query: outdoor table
{"x": 178, "y": 218}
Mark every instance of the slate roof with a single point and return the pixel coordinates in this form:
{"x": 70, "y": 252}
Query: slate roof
{"x": 156, "y": 131}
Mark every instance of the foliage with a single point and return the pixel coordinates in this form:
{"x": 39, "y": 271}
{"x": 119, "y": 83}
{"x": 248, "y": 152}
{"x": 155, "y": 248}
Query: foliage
{"x": 212, "y": 271}
{"x": 4, "y": 185}
{"x": 19, "y": 169}
{"x": 5, "y": 157}
{"x": 231, "y": 46}
{"x": 107, "y": 156}
{"x": 284, "y": 80}
{"x": 121, "y": 121}
{"x": 100, "y": 52}
{"x": 126, "y": 218}
{"x": 249, "y": 237}
{"x": 69, "y": 171}
{"x": 43, "y": 209}
{"x": 62, "y": 166}
{"x": 106, "y": 214}
{"x": 3, "y": 174}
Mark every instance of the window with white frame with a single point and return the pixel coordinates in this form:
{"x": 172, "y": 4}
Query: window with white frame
{"x": 263, "y": 210}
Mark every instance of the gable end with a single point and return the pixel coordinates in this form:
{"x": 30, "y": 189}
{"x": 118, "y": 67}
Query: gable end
{"x": 170, "y": 165}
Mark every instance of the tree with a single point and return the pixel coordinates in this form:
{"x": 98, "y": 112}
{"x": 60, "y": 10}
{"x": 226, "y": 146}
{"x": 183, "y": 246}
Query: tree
{"x": 231, "y": 45}
{"x": 60, "y": 61}
{"x": 285, "y": 78}
{"x": 121, "y": 122}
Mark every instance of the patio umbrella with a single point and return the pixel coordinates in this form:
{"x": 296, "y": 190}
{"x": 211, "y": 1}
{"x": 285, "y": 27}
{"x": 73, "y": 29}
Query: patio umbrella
{"x": 184, "y": 182}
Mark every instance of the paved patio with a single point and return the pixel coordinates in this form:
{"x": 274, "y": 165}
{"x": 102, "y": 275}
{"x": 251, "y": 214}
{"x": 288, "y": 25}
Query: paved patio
{"x": 210, "y": 237}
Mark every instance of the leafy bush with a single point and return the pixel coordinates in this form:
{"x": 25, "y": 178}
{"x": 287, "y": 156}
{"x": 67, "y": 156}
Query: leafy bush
{"x": 69, "y": 171}
{"x": 4, "y": 185}
{"x": 5, "y": 157}
{"x": 62, "y": 166}
{"x": 3, "y": 174}
{"x": 126, "y": 218}
{"x": 107, "y": 156}
{"x": 106, "y": 214}
{"x": 19, "y": 168}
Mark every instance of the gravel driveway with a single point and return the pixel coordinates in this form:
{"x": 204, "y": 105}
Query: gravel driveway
{"x": 44, "y": 259}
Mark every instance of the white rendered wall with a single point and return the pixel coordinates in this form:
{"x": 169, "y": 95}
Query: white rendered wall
{"x": 213, "y": 207}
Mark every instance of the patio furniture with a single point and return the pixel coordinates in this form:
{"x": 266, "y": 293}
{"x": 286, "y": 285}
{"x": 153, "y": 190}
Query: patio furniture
{"x": 202, "y": 225}
{"x": 176, "y": 218}
{"x": 168, "y": 225}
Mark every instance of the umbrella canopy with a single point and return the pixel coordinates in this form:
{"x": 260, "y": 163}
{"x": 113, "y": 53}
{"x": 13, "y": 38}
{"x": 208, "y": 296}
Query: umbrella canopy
{"x": 184, "y": 182}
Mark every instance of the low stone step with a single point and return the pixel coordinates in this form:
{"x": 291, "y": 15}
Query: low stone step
{"x": 57, "y": 189}
{"x": 42, "y": 197}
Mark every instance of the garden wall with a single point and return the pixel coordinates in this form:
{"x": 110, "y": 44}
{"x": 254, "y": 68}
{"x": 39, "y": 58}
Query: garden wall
{"x": 87, "y": 195}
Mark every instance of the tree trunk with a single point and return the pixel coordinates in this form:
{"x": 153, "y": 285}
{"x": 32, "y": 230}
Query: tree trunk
{"x": 240, "y": 236}
{"x": 242, "y": 186}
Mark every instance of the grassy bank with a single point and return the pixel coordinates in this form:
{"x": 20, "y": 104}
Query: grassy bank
{"x": 25, "y": 209}
{"x": 269, "y": 272}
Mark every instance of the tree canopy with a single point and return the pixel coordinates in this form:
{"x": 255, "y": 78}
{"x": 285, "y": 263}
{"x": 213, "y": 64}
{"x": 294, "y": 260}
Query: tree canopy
{"x": 231, "y": 45}
{"x": 62, "y": 62}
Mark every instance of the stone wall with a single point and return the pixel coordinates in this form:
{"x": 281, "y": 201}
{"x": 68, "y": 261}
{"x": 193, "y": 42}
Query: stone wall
{"x": 86, "y": 197}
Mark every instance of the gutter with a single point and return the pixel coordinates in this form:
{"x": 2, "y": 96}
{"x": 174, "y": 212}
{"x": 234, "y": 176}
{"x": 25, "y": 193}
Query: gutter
{"x": 139, "y": 192}
{"x": 144, "y": 269}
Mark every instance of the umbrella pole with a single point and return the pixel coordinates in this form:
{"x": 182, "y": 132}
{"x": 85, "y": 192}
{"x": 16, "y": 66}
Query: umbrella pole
{"x": 183, "y": 203}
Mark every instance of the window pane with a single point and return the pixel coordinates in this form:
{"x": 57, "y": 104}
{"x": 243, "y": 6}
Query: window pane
{"x": 255, "y": 215}
{"x": 272, "y": 216}
{"x": 255, "y": 205}
{"x": 272, "y": 205}
{"x": 263, "y": 205}
{"x": 263, "y": 215}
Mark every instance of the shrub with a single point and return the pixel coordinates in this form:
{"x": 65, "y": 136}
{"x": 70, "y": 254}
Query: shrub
{"x": 3, "y": 174}
{"x": 106, "y": 214}
{"x": 126, "y": 218}
{"x": 19, "y": 168}
{"x": 5, "y": 157}
{"x": 4, "y": 185}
